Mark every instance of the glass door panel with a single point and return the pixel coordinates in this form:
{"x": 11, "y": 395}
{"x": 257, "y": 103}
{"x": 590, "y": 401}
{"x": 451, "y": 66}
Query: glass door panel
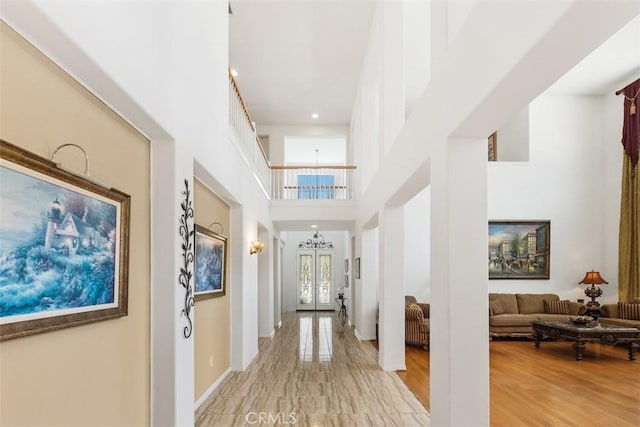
{"x": 325, "y": 280}
{"x": 315, "y": 280}
{"x": 306, "y": 280}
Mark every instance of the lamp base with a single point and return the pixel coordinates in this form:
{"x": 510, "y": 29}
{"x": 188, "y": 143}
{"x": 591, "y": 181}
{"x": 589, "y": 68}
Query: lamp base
{"x": 593, "y": 306}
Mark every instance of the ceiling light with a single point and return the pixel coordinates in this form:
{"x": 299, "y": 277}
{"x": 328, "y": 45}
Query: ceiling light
{"x": 314, "y": 116}
{"x": 234, "y": 72}
{"x": 314, "y": 226}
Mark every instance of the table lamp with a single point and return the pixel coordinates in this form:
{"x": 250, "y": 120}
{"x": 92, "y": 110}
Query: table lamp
{"x": 593, "y": 278}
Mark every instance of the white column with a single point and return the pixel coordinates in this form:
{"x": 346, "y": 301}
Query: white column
{"x": 393, "y": 100}
{"x": 172, "y": 353}
{"x": 459, "y": 329}
{"x": 243, "y": 289}
{"x": 265, "y": 285}
{"x": 391, "y": 268}
{"x": 367, "y": 285}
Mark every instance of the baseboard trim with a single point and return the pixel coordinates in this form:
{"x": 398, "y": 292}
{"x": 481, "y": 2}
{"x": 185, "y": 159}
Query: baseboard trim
{"x": 355, "y": 332}
{"x": 392, "y": 368}
{"x": 211, "y": 389}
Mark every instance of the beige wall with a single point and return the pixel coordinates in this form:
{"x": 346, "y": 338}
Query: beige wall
{"x": 96, "y": 374}
{"x": 212, "y": 325}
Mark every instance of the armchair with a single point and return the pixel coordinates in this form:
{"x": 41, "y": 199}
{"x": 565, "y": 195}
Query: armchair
{"x": 416, "y": 322}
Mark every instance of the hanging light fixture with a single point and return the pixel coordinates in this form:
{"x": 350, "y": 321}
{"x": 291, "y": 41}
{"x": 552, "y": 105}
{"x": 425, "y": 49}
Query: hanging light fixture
{"x": 316, "y": 242}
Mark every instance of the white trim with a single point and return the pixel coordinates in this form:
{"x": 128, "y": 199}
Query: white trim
{"x": 280, "y": 324}
{"x": 211, "y": 389}
{"x": 273, "y": 333}
{"x": 393, "y": 368}
{"x": 357, "y": 334}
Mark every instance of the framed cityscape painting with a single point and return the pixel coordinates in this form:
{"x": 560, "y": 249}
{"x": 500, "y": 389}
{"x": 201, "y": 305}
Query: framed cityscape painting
{"x": 211, "y": 256}
{"x": 64, "y": 247}
{"x": 519, "y": 249}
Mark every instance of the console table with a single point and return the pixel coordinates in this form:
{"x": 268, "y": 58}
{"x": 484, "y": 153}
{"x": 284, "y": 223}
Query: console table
{"x": 591, "y": 332}
{"x": 343, "y": 308}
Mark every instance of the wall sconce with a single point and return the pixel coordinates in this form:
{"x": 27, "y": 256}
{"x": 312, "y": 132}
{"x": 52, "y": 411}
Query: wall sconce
{"x": 256, "y": 246}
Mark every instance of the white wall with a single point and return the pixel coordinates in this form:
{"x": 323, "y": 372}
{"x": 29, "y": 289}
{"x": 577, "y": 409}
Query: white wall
{"x": 417, "y": 37}
{"x": 611, "y": 170}
{"x": 562, "y": 183}
{"x": 181, "y": 53}
{"x": 417, "y": 240}
{"x": 513, "y": 138}
{"x": 289, "y": 275}
{"x": 277, "y": 134}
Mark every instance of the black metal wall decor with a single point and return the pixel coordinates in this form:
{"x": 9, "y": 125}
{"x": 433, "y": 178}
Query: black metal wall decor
{"x": 184, "y": 278}
{"x": 317, "y": 242}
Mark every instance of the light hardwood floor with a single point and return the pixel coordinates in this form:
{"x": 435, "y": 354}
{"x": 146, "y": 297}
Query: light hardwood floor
{"x": 316, "y": 373}
{"x": 548, "y": 387}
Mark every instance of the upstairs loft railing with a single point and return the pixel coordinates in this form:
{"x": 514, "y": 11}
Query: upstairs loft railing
{"x": 285, "y": 182}
{"x": 240, "y": 121}
{"x": 312, "y": 182}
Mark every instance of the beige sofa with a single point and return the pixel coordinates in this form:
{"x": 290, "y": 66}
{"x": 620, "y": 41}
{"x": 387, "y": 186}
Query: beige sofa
{"x": 510, "y": 315}
{"x": 611, "y": 315}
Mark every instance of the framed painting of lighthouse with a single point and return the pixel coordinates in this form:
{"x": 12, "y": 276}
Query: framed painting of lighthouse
{"x": 64, "y": 244}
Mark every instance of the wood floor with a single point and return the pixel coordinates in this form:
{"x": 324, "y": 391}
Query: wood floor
{"x": 548, "y": 387}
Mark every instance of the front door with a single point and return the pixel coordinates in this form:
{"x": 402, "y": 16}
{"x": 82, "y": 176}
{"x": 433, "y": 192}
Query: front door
{"x": 315, "y": 280}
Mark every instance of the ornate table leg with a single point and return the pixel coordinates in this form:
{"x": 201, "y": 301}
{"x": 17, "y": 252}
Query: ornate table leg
{"x": 579, "y": 347}
{"x": 633, "y": 348}
{"x": 537, "y": 335}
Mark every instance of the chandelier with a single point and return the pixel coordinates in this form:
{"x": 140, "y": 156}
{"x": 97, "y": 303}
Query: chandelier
{"x": 316, "y": 242}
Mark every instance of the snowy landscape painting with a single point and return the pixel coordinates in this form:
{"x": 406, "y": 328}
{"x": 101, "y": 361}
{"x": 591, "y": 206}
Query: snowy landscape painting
{"x": 61, "y": 246}
{"x": 210, "y": 251}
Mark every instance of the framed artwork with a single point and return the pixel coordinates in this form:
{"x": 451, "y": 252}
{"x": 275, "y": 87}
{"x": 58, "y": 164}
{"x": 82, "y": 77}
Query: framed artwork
{"x": 346, "y": 280}
{"x": 519, "y": 249}
{"x": 493, "y": 147}
{"x": 346, "y": 266}
{"x": 357, "y": 268}
{"x": 64, "y": 247}
{"x": 210, "y": 262}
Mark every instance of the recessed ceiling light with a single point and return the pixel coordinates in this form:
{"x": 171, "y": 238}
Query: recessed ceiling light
{"x": 314, "y": 226}
{"x": 234, "y": 72}
{"x": 314, "y": 116}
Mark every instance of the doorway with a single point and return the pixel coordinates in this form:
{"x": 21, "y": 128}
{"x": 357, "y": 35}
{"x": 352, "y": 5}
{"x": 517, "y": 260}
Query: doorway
{"x": 314, "y": 274}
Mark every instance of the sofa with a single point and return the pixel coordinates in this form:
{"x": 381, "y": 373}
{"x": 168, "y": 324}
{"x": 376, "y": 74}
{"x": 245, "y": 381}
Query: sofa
{"x": 619, "y": 315}
{"x": 510, "y": 315}
{"x": 416, "y": 322}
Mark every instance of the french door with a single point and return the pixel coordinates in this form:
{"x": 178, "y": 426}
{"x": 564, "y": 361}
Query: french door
{"x": 315, "y": 279}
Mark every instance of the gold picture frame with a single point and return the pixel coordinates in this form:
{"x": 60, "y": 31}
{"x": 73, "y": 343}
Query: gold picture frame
{"x": 64, "y": 247}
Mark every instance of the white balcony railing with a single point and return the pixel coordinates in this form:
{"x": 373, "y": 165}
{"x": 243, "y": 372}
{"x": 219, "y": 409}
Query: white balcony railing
{"x": 244, "y": 127}
{"x": 312, "y": 182}
{"x": 285, "y": 182}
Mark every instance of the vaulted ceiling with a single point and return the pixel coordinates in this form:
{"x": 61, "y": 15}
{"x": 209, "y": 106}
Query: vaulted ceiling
{"x": 295, "y": 58}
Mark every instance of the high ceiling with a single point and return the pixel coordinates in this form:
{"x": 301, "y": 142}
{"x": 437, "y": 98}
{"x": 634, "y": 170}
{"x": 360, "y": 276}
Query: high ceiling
{"x": 296, "y": 58}
{"x": 617, "y": 58}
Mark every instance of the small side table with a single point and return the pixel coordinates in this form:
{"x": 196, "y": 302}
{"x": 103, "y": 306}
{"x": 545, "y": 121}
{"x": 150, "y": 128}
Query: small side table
{"x": 343, "y": 308}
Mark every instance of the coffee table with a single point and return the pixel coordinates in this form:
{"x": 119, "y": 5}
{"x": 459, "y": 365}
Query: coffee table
{"x": 582, "y": 333}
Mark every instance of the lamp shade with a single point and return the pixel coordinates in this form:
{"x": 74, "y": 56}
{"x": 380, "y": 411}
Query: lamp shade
{"x": 593, "y": 278}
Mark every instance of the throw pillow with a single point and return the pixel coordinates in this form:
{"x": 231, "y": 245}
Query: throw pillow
{"x": 556, "y": 307}
{"x": 629, "y": 311}
{"x": 495, "y": 307}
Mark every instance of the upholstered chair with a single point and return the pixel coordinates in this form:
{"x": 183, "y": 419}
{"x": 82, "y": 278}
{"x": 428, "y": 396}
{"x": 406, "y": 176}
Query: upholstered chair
{"x": 416, "y": 322}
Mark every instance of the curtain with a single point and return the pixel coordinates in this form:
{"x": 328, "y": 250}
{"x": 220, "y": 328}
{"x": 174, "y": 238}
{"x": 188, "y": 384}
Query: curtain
{"x": 629, "y": 238}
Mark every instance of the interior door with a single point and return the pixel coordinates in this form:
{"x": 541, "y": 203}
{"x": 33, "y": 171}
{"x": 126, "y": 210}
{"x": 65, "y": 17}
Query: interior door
{"x": 315, "y": 279}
